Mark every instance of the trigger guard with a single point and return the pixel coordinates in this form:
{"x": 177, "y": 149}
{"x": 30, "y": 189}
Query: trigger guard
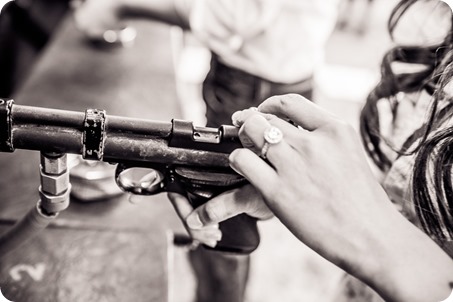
{"x": 128, "y": 185}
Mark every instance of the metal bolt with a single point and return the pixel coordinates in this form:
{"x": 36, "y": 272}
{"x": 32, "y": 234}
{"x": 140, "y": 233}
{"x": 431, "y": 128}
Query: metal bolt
{"x": 54, "y": 165}
{"x": 54, "y": 203}
{"x": 54, "y": 184}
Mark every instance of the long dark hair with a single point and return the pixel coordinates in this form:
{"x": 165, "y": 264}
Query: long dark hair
{"x": 432, "y": 146}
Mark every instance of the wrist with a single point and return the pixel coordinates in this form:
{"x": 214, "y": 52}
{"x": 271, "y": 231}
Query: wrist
{"x": 404, "y": 264}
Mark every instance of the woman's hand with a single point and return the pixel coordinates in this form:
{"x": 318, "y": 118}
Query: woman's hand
{"x": 317, "y": 181}
{"x": 202, "y": 223}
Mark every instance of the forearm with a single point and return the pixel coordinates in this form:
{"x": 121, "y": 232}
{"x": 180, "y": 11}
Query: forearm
{"x": 95, "y": 17}
{"x": 173, "y": 12}
{"x": 318, "y": 183}
{"x": 406, "y": 265}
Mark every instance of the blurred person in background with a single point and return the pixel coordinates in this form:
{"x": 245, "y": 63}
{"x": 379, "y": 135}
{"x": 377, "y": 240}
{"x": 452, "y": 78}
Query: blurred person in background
{"x": 25, "y": 28}
{"x": 392, "y": 231}
{"x": 259, "y": 48}
{"x": 348, "y": 8}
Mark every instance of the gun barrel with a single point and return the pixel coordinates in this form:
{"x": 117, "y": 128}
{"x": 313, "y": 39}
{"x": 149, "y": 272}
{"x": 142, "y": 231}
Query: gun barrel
{"x": 119, "y": 138}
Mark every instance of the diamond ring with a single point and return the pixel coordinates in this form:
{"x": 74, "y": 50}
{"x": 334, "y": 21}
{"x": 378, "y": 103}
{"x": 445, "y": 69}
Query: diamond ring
{"x": 272, "y": 136}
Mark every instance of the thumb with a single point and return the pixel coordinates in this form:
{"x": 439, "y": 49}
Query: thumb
{"x": 229, "y": 204}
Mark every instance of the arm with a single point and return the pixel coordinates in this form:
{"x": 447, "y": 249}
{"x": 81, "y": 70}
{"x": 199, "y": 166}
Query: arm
{"x": 94, "y": 17}
{"x": 175, "y": 12}
{"x": 320, "y": 186}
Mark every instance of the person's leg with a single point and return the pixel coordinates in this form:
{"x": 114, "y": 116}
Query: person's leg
{"x": 221, "y": 277}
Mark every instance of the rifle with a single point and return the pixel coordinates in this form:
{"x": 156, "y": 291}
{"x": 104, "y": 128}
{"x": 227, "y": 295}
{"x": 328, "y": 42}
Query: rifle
{"x": 151, "y": 156}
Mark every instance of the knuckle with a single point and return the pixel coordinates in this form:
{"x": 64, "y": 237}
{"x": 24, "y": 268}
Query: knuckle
{"x": 346, "y": 129}
{"x": 339, "y": 127}
{"x": 211, "y": 213}
{"x": 283, "y": 101}
{"x": 287, "y": 101}
{"x": 239, "y": 156}
{"x": 246, "y": 126}
{"x": 245, "y": 129}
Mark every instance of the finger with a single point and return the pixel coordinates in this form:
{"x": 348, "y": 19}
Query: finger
{"x": 253, "y": 201}
{"x": 229, "y": 204}
{"x": 184, "y": 208}
{"x": 254, "y": 128}
{"x": 207, "y": 235}
{"x": 181, "y": 204}
{"x": 258, "y": 172}
{"x": 298, "y": 109}
{"x": 239, "y": 117}
{"x": 218, "y": 209}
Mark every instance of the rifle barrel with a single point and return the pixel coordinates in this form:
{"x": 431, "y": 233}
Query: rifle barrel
{"x": 123, "y": 139}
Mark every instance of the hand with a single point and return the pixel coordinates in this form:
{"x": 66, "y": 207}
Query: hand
{"x": 208, "y": 235}
{"x": 317, "y": 179}
{"x": 318, "y": 183}
{"x": 202, "y": 223}
{"x": 95, "y": 17}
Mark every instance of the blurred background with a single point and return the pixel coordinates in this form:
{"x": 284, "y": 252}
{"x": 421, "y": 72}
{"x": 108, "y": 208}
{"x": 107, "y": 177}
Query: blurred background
{"x": 282, "y": 268}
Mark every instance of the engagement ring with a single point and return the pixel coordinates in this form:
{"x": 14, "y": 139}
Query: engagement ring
{"x": 272, "y": 136}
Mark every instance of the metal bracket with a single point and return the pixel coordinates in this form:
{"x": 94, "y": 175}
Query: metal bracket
{"x": 185, "y": 135}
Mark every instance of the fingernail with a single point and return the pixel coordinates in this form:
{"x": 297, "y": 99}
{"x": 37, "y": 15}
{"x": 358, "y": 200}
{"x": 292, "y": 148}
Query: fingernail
{"x": 217, "y": 235}
{"x": 235, "y": 118}
{"x": 211, "y": 243}
{"x": 194, "y": 222}
{"x": 232, "y": 163}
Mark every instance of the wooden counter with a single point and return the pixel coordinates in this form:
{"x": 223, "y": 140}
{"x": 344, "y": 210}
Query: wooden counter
{"x": 103, "y": 251}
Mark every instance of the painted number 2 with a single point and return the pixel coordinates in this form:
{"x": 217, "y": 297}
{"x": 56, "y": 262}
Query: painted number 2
{"x": 35, "y": 272}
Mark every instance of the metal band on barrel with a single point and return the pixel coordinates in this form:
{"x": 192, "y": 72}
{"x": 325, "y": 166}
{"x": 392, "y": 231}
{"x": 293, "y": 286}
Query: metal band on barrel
{"x": 6, "y": 143}
{"x": 93, "y": 134}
